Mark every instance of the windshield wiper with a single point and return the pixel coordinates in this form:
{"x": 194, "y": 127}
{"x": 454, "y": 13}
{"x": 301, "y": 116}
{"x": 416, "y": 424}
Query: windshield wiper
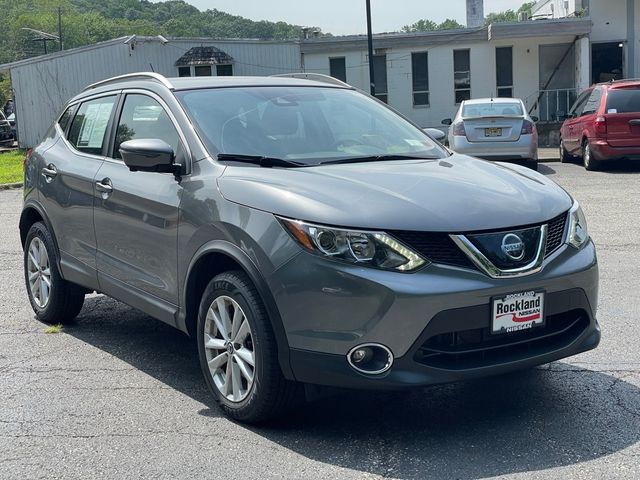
{"x": 379, "y": 158}
{"x": 263, "y": 161}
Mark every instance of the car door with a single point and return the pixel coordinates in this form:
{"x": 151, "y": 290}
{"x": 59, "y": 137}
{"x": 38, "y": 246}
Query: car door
{"x": 136, "y": 214}
{"x": 570, "y": 135}
{"x": 66, "y": 184}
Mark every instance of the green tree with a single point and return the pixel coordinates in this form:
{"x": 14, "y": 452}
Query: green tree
{"x": 509, "y": 15}
{"x": 425, "y": 25}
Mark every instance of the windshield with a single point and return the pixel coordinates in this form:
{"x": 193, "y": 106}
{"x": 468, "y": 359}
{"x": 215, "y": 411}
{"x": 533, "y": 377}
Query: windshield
{"x": 492, "y": 109}
{"x": 623, "y": 100}
{"x": 308, "y": 125}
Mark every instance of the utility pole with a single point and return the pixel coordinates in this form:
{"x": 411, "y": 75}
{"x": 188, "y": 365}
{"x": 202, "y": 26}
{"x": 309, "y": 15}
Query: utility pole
{"x": 370, "y": 44}
{"x": 60, "y": 28}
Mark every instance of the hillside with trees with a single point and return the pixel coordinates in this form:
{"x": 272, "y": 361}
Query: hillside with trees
{"x": 89, "y": 21}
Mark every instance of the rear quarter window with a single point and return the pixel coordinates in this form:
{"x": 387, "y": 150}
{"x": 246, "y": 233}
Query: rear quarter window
{"x": 623, "y": 100}
{"x": 89, "y": 125}
{"x": 65, "y": 118}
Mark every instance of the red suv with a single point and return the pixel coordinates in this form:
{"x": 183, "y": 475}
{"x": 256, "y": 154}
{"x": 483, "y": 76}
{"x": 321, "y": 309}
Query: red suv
{"x": 603, "y": 124}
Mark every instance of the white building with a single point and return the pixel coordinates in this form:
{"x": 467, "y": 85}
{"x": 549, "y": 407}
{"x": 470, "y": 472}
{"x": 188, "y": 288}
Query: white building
{"x": 546, "y": 60}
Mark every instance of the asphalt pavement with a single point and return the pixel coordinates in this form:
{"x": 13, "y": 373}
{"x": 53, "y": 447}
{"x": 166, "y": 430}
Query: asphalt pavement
{"x": 120, "y": 395}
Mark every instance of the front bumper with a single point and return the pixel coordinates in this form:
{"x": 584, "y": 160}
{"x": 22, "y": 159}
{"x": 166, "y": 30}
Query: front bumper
{"x": 328, "y": 308}
{"x": 525, "y": 148}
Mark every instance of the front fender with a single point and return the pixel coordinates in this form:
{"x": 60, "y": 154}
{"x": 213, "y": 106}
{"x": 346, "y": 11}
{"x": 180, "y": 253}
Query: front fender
{"x": 236, "y": 254}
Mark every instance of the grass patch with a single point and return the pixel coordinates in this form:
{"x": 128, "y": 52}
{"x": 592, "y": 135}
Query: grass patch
{"x": 53, "y": 329}
{"x": 11, "y": 166}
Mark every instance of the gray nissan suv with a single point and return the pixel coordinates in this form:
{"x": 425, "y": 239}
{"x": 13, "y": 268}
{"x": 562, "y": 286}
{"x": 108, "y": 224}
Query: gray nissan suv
{"x": 305, "y": 235}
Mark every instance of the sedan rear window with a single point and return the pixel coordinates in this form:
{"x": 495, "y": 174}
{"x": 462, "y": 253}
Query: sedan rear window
{"x": 492, "y": 109}
{"x": 623, "y": 100}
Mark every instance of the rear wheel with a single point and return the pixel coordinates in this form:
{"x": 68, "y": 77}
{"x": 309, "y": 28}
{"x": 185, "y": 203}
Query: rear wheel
{"x": 238, "y": 353}
{"x": 532, "y": 164}
{"x": 590, "y": 163}
{"x": 564, "y": 155}
{"x": 53, "y": 299}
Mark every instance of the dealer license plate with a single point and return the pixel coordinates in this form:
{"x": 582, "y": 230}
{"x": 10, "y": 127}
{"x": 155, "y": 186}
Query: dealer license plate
{"x": 517, "y": 311}
{"x": 492, "y": 132}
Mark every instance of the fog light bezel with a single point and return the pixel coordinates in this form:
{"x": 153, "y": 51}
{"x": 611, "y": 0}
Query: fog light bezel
{"x": 388, "y": 363}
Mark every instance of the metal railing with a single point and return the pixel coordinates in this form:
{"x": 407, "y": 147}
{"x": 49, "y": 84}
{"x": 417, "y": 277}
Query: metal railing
{"x": 545, "y": 104}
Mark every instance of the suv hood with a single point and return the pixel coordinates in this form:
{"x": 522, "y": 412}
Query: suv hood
{"x": 456, "y": 194}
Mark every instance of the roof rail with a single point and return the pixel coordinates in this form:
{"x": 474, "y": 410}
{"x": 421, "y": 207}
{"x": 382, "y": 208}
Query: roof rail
{"x": 623, "y": 80}
{"x": 317, "y": 77}
{"x": 147, "y": 75}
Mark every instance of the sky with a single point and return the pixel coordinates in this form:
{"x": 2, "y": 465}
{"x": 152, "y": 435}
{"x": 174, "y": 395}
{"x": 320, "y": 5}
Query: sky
{"x": 343, "y": 17}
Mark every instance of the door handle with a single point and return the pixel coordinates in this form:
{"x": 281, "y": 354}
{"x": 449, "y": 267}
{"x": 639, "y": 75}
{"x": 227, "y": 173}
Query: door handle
{"x": 49, "y": 172}
{"x": 105, "y": 187}
{"x": 635, "y": 121}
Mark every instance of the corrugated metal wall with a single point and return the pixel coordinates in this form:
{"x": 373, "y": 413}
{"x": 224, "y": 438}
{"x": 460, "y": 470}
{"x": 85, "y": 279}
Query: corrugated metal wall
{"x": 43, "y": 87}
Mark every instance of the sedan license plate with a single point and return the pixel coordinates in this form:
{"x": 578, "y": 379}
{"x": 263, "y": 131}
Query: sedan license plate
{"x": 492, "y": 132}
{"x": 518, "y": 311}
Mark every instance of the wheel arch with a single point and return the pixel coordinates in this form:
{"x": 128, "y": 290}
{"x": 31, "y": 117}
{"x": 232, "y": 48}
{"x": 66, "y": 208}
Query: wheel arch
{"x": 32, "y": 213}
{"x": 217, "y": 257}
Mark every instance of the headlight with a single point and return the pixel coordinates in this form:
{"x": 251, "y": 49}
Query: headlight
{"x": 372, "y": 249}
{"x": 578, "y": 233}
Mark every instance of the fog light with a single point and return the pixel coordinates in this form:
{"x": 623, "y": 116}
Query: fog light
{"x": 361, "y": 355}
{"x": 370, "y": 358}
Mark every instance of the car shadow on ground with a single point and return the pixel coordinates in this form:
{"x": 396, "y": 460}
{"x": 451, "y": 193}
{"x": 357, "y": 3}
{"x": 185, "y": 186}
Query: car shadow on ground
{"x": 542, "y": 418}
{"x": 614, "y": 166}
{"x": 545, "y": 169}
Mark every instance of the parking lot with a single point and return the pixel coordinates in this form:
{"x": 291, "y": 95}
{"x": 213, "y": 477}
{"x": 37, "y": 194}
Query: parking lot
{"x": 119, "y": 395}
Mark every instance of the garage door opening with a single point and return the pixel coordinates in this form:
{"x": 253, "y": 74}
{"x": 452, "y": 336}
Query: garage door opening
{"x": 607, "y": 61}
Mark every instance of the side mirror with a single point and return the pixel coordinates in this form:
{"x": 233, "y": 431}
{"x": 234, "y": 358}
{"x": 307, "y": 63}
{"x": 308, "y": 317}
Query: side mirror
{"x": 435, "y": 133}
{"x": 148, "y": 155}
{"x": 447, "y": 121}
{"x": 560, "y": 115}
{"x": 535, "y": 119}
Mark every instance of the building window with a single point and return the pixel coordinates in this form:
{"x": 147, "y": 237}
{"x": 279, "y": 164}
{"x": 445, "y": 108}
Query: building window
{"x": 184, "y": 71}
{"x": 504, "y": 71}
{"x": 420, "y": 75}
{"x": 338, "y": 68}
{"x": 224, "y": 70}
{"x": 462, "y": 75}
{"x": 202, "y": 70}
{"x": 380, "y": 77}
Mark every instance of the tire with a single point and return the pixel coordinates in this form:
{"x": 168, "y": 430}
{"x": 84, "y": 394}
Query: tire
{"x": 589, "y": 162}
{"x": 532, "y": 164}
{"x": 53, "y": 299}
{"x": 245, "y": 393}
{"x": 564, "y": 155}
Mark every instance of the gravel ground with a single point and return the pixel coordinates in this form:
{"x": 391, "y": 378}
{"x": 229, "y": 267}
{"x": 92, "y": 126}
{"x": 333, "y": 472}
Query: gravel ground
{"x": 119, "y": 395}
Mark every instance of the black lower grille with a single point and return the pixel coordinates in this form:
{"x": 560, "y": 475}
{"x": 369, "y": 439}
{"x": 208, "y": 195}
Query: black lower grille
{"x": 475, "y": 348}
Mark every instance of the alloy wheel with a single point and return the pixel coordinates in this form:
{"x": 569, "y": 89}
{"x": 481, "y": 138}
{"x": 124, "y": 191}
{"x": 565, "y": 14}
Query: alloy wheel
{"x": 229, "y": 350}
{"x": 39, "y": 272}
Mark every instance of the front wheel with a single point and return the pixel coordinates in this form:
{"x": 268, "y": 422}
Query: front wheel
{"x": 53, "y": 299}
{"x": 238, "y": 352}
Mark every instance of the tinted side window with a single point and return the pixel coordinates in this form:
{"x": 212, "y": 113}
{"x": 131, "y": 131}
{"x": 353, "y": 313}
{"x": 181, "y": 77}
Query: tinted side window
{"x": 592, "y": 104}
{"x": 65, "y": 118}
{"x": 576, "y": 109}
{"x": 90, "y": 125}
{"x": 143, "y": 117}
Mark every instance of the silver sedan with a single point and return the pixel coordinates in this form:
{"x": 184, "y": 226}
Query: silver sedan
{"x": 494, "y": 129}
